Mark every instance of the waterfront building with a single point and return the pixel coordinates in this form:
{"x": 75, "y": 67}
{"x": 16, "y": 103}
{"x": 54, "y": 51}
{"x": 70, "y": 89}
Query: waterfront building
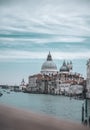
{"x": 52, "y": 81}
{"x": 35, "y": 83}
{"x": 75, "y": 89}
{"x": 39, "y": 83}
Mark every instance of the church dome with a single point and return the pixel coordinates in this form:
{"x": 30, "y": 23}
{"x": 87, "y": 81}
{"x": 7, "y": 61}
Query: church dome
{"x": 48, "y": 66}
{"x": 64, "y": 67}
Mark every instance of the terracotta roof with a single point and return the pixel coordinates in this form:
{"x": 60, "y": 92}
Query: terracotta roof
{"x": 36, "y": 75}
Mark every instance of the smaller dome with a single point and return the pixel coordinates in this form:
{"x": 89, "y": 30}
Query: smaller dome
{"x": 64, "y": 67}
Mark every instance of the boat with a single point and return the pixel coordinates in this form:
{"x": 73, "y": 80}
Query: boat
{"x": 1, "y": 94}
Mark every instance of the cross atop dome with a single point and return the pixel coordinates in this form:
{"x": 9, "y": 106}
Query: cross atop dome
{"x": 49, "y": 57}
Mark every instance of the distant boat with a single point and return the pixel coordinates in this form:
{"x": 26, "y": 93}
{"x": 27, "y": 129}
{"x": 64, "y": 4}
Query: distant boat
{"x": 12, "y": 89}
{"x": 1, "y": 94}
{"x": 8, "y": 92}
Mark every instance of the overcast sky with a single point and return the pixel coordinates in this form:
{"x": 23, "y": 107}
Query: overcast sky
{"x": 31, "y": 26}
{"x": 29, "y": 29}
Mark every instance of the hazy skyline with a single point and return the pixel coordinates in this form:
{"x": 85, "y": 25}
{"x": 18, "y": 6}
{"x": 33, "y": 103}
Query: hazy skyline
{"x": 30, "y": 29}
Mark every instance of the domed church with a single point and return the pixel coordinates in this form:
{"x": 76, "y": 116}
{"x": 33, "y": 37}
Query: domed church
{"x": 49, "y": 67}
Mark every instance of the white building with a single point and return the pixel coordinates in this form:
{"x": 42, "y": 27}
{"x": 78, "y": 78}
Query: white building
{"x": 49, "y": 67}
{"x": 75, "y": 89}
{"x": 32, "y": 83}
{"x": 35, "y": 83}
{"x": 51, "y": 80}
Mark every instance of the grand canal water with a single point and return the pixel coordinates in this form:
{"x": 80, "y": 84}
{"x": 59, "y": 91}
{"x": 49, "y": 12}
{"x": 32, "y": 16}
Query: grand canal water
{"x": 57, "y": 106}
